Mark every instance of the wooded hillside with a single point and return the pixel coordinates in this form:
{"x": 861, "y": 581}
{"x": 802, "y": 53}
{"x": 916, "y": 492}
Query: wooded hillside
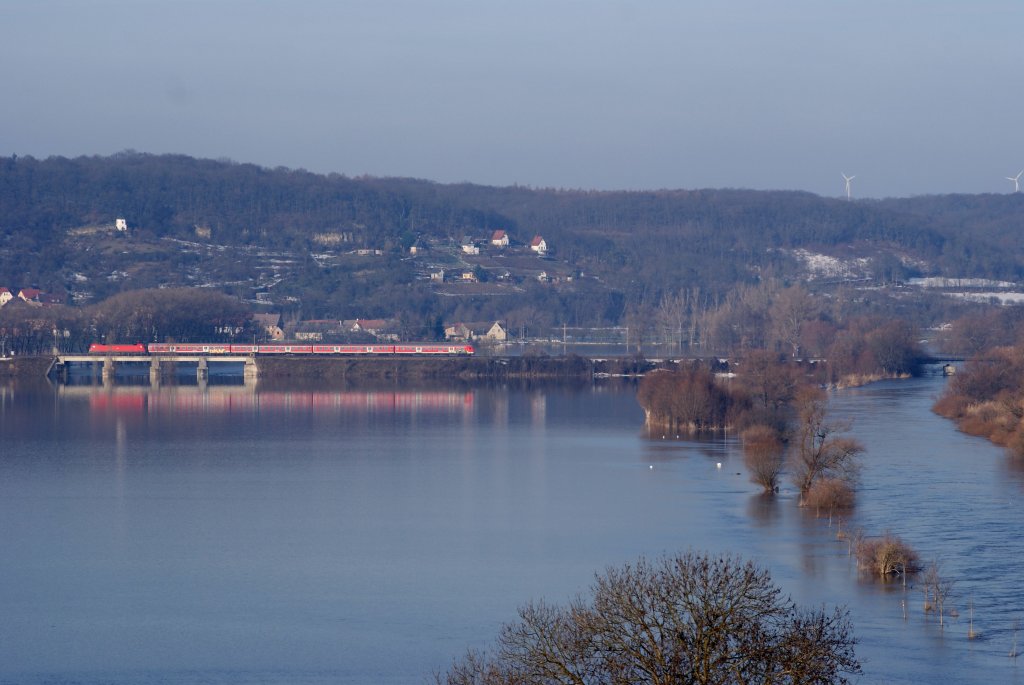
{"x": 243, "y": 229}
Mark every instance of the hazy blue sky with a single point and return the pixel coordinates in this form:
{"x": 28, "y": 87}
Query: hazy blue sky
{"x": 911, "y": 96}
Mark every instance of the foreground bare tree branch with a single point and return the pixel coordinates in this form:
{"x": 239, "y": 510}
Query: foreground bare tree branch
{"x": 689, "y": 618}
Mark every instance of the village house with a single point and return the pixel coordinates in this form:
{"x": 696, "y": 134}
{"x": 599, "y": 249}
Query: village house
{"x": 476, "y": 331}
{"x": 371, "y": 326}
{"x": 120, "y": 224}
{"x": 269, "y": 324}
{"x": 496, "y": 332}
{"x": 5, "y": 296}
{"x": 37, "y": 297}
{"x": 317, "y": 330}
{"x": 459, "y": 331}
{"x": 499, "y": 239}
{"x": 437, "y": 276}
{"x": 538, "y": 245}
{"x": 381, "y": 329}
{"x": 305, "y": 335}
{"x": 470, "y": 248}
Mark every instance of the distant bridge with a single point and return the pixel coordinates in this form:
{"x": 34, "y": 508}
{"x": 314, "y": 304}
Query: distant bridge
{"x": 943, "y": 359}
{"x": 107, "y": 365}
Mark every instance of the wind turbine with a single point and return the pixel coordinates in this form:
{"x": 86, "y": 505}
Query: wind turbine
{"x": 1016, "y": 181}
{"x": 848, "y": 179}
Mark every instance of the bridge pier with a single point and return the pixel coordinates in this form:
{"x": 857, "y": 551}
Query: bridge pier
{"x": 202, "y": 370}
{"x": 154, "y": 372}
{"x": 250, "y": 372}
{"x": 58, "y": 370}
{"x": 109, "y": 370}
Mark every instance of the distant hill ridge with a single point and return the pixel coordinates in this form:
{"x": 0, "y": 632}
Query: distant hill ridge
{"x": 638, "y": 244}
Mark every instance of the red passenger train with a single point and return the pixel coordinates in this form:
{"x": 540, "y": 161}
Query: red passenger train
{"x": 403, "y": 349}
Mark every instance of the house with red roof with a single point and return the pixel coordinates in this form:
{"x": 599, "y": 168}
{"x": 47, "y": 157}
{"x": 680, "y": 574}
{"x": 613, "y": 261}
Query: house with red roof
{"x": 499, "y": 239}
{"x": 538, "y": 245}
{"x": 38, "y": 297}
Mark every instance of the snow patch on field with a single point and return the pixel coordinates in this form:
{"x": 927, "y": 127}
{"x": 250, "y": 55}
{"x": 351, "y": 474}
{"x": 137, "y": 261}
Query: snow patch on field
{"x": 1001, "y": 297}
{"x": 940, "y": 282}
{"x": 826, "y": 266}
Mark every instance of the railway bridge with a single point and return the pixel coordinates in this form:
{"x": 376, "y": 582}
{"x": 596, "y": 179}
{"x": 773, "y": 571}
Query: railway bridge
{"x": 105, "y": 366}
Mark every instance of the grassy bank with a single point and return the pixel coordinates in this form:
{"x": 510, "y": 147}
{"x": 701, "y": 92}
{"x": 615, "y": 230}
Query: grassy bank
{"x": 460, "y": 368}
{"x": 25, "y": 367}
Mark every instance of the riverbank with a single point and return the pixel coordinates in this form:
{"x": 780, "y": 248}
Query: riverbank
{"x": 459, "y": 368}
{"x": 858, "y": 380}
{"x": 24, "y": 367}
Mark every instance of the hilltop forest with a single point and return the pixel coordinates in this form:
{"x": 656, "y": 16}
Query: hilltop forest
{"x": 705, "y": 266}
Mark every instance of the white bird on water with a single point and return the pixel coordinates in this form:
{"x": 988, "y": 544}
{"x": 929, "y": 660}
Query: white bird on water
{"x": 718, "y": 465}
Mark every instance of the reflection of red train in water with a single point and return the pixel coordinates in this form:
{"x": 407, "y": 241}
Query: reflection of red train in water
{"x": 404, "y": 349}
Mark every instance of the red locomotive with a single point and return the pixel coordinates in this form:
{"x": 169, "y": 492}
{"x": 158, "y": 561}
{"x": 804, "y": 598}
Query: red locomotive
{"x": 97, "y": 348}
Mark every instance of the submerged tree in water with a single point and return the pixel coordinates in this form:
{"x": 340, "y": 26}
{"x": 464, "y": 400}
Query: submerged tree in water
{"x": 689, "y": 400}
{"x": 820, "y": 447}
{"x": 764, "y": 456}
{"x": 689, "y": 618}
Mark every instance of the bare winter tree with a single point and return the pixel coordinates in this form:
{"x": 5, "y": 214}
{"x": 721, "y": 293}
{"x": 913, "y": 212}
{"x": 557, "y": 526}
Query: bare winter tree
{"x": 939, "y": 587}
{"x": 820, "y": 448}
{"x": 688, "y": 618}
{"x": 772, "y": 382}
{"x": 673, "y": 316}
{"x": 791, "y": 308}
{"x": 764, "y": 456}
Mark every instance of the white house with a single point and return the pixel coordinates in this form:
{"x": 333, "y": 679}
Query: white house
{"x": 270, "y": 324}
{"x": 120, "y": 224}
{"x": 476, "y": 331}
{"x": 538, "y": 245}
{"x": 496, "y": 332}
{"x": 499, "y": 239}
{"x": 470, "y": 249}
{"x": 5, "y": 296}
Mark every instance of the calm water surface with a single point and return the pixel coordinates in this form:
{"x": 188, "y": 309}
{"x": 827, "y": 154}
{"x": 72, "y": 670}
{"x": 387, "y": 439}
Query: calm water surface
{"x": 227, "y": 535}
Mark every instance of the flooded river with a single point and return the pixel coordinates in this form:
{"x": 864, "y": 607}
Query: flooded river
{"x": 239, "y": 535}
